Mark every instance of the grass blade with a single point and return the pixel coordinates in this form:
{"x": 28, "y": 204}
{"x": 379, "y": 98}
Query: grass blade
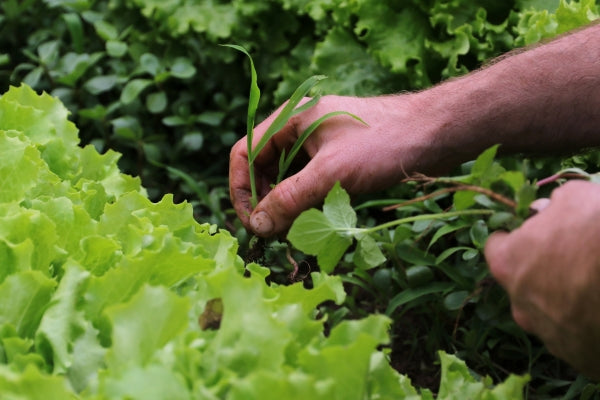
{"x": 253, "y": 100}
{"x": 286, "y": 113}
{"x": 284, "y": 163}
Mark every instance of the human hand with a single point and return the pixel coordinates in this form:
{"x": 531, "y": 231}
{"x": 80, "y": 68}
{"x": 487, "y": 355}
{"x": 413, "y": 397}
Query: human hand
{"x": 363, "y": 158}
{"x": 550, "y": 267}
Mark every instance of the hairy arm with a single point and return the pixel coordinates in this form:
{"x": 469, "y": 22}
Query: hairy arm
{"x": 544, "y": 100}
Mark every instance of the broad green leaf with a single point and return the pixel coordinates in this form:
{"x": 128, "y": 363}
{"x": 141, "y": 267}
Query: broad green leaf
{"x": 484, "y": 169}
{"x": 101, "y": 84}
{"x": 356, "y": 72}
{"x": 152, "y": 382}
{"x": 479, "y": 233}
{"x": 106, "y": 30}
{"x": 20, "y": 166}
{"x": 457, "y": 382}
{"x": 183, "y": 68}
{"x": 75, "y": 27}
{"x": 33, "y": 384}
{"x": 456, "y": 300}
{"x": 144, "y": 325}
{"x": 133, "y": 89}
{"x": 326, "y": 234}
{"x": 116, "y": 48}
{"x": 368, "y": 254}
{"x": 418, "y": 275}
{"x": 156, "y": 102}
{"x": 62, "y": 322}
{"x": 150, "y": 63}
{"x": 338, "y": 210}
{"x": 313, "y": 233}
{"x": 26, "y": 296}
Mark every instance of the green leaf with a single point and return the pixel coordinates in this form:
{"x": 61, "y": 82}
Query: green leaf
{"x": 116, "y": 48}
{"x": 156, "y": 102}
{"x": 326, "y": 234}
{"x": 368, "y": 254}
{"x": 106, "y": 30}
{"x": 479, "y": 233}
{"x": 447, "y": 229}
{"x": 286, "y": 160}
{"x": 62, "y": 322}
{"x": 144, "y": 325}
{"x": 409, "y": 295}
{"x": 150, "y": 64}
{"x": 75, "y": 27}
{"x": 33, "y": 385}
{"x": 418, "y": 275}
{"x": 313, "y": 233}
{"x": 290, "y": 109}
{"x": 183, "y": 68}
{"x": 26, "y": 295}
{"x": 457, "y": 382}
{"x": 133, "y": 89}
{"x": 100, "y": 84}
{"x": 456, "y": 300}
{"x": 356, "y": 72}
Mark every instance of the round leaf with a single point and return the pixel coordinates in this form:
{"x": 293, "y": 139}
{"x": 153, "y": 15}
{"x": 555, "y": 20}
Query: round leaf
{"x": 156, "y": 102}
{"x": 193, "y": 141}
{"x": 150, "y": 63}
{"x": 183, "y": 68}
{"x": 456, "y": 300}
{"x": 418, "y": 275}
{"x": 116, "y": 48}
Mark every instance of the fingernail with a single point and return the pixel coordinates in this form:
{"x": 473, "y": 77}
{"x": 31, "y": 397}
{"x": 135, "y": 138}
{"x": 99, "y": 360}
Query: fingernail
{"x": 261, "y": 223}
{"x": 540, "y": 204}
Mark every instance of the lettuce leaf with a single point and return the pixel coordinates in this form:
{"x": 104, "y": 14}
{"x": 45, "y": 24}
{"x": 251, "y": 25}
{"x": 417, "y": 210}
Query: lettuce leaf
{"x": 107, "y": 295}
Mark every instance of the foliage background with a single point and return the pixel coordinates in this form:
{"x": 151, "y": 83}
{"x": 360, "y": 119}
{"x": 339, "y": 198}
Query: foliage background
{"x": 148, "y": 78}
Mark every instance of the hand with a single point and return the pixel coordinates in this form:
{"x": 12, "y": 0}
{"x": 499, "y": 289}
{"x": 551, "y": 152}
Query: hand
{"x": 363, "y": 158}
{"x": 550, "y": 267}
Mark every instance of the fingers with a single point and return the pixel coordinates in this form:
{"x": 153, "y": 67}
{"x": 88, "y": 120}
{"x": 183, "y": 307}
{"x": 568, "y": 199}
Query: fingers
{"x": 278, "y": 209}
{"x": 497, "y": 255}
{"x": 239, "y": 181}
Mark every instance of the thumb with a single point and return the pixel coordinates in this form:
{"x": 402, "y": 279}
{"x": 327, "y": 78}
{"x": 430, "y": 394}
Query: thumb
{"x": 497, "y": 255}
{"x": 275, "y": 213}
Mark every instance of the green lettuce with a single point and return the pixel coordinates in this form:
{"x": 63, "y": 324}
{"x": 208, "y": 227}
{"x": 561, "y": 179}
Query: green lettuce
{"x": 107, "y": 295}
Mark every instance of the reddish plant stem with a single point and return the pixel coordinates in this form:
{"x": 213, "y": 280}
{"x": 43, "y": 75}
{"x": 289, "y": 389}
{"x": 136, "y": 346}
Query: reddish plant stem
{"x": 555, "y": 177}
{"x": 459, "y": 187}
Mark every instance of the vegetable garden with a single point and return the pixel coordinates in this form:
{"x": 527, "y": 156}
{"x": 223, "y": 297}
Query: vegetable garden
{"x": 124, "y": 273}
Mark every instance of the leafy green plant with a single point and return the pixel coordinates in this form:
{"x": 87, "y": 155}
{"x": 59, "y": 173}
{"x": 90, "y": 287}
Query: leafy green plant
{"x": 106, "y": 294}
{"x": 290, "y": 109}
{"x": 427, "y": 264}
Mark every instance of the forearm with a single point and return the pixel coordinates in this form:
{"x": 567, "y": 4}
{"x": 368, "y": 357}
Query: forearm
{"x": 545, "y": 99}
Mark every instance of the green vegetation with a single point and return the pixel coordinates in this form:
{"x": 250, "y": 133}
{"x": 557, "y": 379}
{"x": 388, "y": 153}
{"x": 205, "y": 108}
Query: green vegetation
{"x": 114, "y": 287}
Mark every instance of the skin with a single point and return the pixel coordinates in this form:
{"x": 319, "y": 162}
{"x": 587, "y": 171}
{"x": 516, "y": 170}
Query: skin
{"x": 551, "y": 272}
{"x": 528, "y": 101}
